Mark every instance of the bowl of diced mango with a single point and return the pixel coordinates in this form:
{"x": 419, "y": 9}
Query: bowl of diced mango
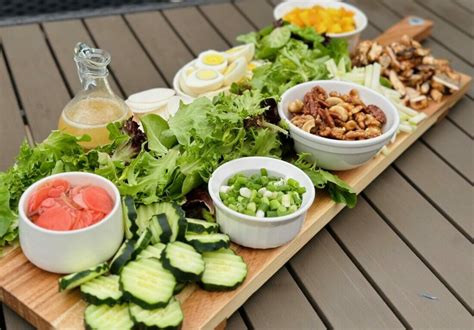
{"x": 332, "y": 18}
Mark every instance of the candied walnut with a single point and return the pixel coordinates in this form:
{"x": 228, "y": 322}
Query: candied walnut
{"x": 377, "y": 113}
{"x": 357, "y": 109}
{"x": 360, "y": 119}
{"x": 296, "y": 106}
{"x": 351, "y": 125}
{"x": 327, "y": 119}
{"x": 319, "y": 92}
{"x": 354, "y": 135}
{"x": 334, "y": 94}
{"x": 371, "y": 121}
{"x": 372, "y": 131}
{"x": 354, "y": 98}
{"x": 299, "y": 120}
{"x": 338, "y": 132}
{"x": 325, "y": 132}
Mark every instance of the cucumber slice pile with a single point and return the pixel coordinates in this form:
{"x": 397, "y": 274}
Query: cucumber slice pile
{"x": 162, "y": 252}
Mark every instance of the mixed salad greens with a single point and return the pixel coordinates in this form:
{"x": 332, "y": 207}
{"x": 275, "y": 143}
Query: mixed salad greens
{"x": 169, "y": 159}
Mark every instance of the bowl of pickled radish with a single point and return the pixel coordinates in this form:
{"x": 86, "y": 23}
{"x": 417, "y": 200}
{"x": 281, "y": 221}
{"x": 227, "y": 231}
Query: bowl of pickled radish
{"x": 260, "y": 202}
{"x": 335, "y": 19}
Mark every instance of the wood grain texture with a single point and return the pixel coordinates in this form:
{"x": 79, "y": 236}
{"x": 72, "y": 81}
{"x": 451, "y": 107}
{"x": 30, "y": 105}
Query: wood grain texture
{"x": 228, "y": 20}
{"x": 397, "y": 271}
{"x": 36, "y": 76}
{"x": 441, "y": 184}
{"x": 165, "y": 47}
{"x": 202, "y": 309}
{"x": 131, "y": 66}
{"x": 63, "y": 37}
{"x": 455, "y": 147}
{"x": 293, "y": 310}
{"x": 443, "y": 247}
{"x": 340, "y": 290}
{"x": 463, "y": 116}
{"x": 198, "y": 35}
{"x": 259, "y": 12}
{"x": 466, "y": 4}
{"x": 11, "y": 130}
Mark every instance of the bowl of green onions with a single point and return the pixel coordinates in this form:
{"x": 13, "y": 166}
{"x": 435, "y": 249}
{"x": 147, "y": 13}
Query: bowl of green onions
{"x": 260, "y": 202}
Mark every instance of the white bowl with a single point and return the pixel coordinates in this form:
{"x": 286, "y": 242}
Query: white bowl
{"x": 352, "y": 37}
{"x": 250, "y": 231}
{"x": 72, "y": 251}
{"x": 338, "y": 154}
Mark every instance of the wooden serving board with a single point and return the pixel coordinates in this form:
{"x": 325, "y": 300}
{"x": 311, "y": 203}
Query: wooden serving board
{"x": 33, "y": 293}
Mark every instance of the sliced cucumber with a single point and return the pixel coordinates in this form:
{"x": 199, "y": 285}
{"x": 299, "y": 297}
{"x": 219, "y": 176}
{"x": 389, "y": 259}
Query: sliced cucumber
{"x": 74, "y": 280}
{"x": 152, "y": 251}
{"x": 160, "y": 228}
{"x": 208, "y": 242}
{"x": 107, "y": 317}
{"x": 123, "y": 255}
{"x": 146, "y": 283}
{"x": 201, "y": 226}
{"x": 168, "y": 317}
{"x": 179, "y": 287}
{"x": 224, "y": 270}
{"x": 129, "y": 212}
{"x": 102, "y": 290}
{"x": 183, "y": 261}
{"x": 174, "y": 214}
{"x": 142, "y": 242}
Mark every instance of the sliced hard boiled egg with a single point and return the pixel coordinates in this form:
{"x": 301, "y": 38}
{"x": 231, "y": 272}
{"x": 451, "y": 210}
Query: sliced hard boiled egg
{"x": 216, "y": 92}
{"x": 235, "y": 71}
{"x": 204, "y": 80}
{"x": 183, "y": 78}
{"x": 247, "y": 51}
{"x": 211, "y": 60}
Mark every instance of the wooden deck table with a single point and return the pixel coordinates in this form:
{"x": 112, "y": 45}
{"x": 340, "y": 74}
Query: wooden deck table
{"x": 410, "y": 236}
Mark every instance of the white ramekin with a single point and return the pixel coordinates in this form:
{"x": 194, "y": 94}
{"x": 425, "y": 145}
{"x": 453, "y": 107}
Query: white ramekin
{"x": 352, "y": 37}
{"x": 337, "y": 154}
{"x": 71, "y": 251}
{"x": 253, "y": 232}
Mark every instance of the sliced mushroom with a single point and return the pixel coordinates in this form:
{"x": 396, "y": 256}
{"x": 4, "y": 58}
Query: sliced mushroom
{"x": 396, "y": 83}
{"x": 390, "y": 53}
{"x": 425, "y": 88}
{"x": 420, "y": 102}
{"x": 375, "y": 52}
{"x": 436, "y": 95}
{"x": 446, "y": 81}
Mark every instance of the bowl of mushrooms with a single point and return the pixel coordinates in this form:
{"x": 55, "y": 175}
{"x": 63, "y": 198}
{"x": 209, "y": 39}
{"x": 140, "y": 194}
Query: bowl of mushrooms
{"x": 340, "y": 124}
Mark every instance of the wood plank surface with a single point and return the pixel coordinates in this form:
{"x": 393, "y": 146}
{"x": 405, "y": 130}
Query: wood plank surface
{"x": 199, "y": 35}
{"x": 463, "y": 116}
{"x": 165, "y": 47}
{"x": 342, "y": 294}
{"x": 227, "y": 20}
{"x": 63, "y": 37}
{"x": 434, "y": 239}
{"x": 441, "y": 184}
{"x": 208, "y": 308}
{"x": 397, "y": 271}
{"x": 40, "y": 86}
{"x": 11, "y": 130}
{"x": 259, "y": 12}
{"x": 453, "y": 146}
{"x": 455, "y": 15}
{"x": 281, "y": 303}
{"x": 466, "y": 4}
{"x": 130, "y": 64}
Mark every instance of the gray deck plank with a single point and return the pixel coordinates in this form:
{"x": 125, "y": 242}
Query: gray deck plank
{"x": 453, "y": 14}
{"x": 463, "y": 115}
{"x": 132, "y": 68}
{"x": 466, "y": 4}
{"x": 457, "y": 41}
{"x": 13, "y": 321}
{"x": 280, "y": 304}
{"x": 454, "y": 146}
{"x": 199, "y": 35}
{"x": 235, "y": 322}
{"x": 259, "y": 12}
{"x": 11, "y": 130}
{"x": 440, "y": 183}
{"x": 228, "y": 20}
{"x": 63, "y": 36}
{"x": 383, "y": 18}
{"x": 443, "y": 247}
{"x": 397, "y": 271}
{"x": 165, "y": 47}
{"x": 340, "y": 291}
{"x": 40, "y": 86}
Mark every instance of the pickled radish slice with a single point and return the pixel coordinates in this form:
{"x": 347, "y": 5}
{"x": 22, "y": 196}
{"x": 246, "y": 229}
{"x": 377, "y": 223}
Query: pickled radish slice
{"x": 97, "y": 199}
{"x": 55, "y": 218}
{"x": 56, "y": 205}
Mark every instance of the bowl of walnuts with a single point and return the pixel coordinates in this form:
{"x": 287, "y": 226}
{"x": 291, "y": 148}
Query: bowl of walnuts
{"x": 340, "y": 124}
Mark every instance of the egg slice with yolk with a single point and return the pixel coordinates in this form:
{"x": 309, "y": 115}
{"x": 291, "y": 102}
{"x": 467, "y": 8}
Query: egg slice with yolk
{"x": 247, "y": 51}
{"x": 204, "y": 80}
{"x": 211, "y": 60}
{"x": 235, "y": 71}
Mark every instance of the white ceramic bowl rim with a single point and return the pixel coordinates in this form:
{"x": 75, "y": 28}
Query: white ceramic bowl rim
{"x": 303, "y": 208}
{"x": 359, "y": 27}
{"x": 65, "y": 175}
{"x": 341, "y": 143}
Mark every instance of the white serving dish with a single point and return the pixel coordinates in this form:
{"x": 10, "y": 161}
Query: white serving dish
{"x": 337, "y": 154}
{"x": 250, "y": 231}
{"x": 352, "y": 37}
{"x": 71, "y": 251}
